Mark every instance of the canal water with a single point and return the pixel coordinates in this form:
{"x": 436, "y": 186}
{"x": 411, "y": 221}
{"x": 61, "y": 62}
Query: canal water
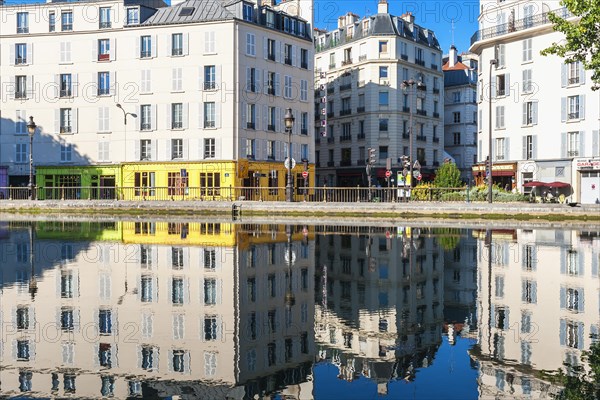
{"x": 221, "y": 310}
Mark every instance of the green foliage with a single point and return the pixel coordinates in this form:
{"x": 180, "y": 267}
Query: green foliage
{"x": 582, "y": 36}
{"x": 448, "y": 238}
{"x": 480, "y": 193}
{"x": 580, "y": 384}
{"x": 448, "y": 176}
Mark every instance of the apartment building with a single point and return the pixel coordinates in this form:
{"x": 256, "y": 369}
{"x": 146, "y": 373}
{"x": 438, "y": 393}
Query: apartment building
{"x": 537, "y": 304}
{"x": 360, "y": 68}
{"x": 544, "y": 114}
{"x": 123, "y": 309}
{"x": 136, "y": 93}
{"x": 460, "y": 106}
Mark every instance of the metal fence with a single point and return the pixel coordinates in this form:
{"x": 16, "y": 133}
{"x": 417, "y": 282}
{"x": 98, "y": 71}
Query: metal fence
{"x": 308, "y": 194}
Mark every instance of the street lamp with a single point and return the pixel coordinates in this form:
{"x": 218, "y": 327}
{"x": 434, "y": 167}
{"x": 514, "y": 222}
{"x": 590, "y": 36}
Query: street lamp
{"x": 31, "y": 127}
{"x": 490, "y": 183}
{"x": 125, "y": 114}
{"x": 406, "y": 84}
{"x": 289, "y": 124}
{"x": 32, "y": 281}
{"x": 290, "y": 299}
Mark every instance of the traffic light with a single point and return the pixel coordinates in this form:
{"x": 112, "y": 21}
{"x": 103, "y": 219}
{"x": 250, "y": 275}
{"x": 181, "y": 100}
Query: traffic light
{"x": 305, "y": 162}
{"x": 372, "y": 156}
{"x": 405, "y": 162}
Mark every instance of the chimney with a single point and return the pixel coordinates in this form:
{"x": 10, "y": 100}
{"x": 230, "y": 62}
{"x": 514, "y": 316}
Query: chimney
{"x": 452, "y": 57}
{"x": 176, "y": 2}
{"x": 408, "y": 17}
{"x": 382, "y": 7}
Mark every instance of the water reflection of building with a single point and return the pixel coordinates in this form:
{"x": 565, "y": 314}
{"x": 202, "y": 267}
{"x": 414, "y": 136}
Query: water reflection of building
{"x": 379, "y": 307}
{"x": 538, "y": 307}
{"x": 145, "y": 308}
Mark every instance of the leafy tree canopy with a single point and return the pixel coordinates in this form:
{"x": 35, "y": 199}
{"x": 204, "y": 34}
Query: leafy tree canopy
{"x": 582, "y": 36}
{"x": 447, "y": 175}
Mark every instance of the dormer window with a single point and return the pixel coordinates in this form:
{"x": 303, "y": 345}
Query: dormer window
{"x": 133, "y": 16}
{"x": 365, "y": 26}
{"x": 270, "y": 19}
{"x": 286, "y": 24}
{"x": 248, "y": 12}
{"x": 415, "y": 33}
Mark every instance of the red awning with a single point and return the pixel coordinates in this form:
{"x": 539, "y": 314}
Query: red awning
{"x": 534, "y": 184}
{"x": 503, "y": 173}
{"x": 551, "y": 185}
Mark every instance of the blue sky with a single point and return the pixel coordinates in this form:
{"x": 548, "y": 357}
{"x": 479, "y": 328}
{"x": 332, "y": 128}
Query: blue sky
{"x": 436, "y": 15}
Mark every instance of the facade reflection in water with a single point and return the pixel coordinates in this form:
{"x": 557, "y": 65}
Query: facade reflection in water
{"x": 222, "y": 310}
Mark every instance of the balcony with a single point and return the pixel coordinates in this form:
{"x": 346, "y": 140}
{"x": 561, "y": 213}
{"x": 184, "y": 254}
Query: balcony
{"x": 288, "y": 60}
{"x": 360, "y": 136}
{"x": 360, "y": 109}
{"x": 574, "y": 81}
{"x": 346, "y": 163}
{"x": 362, "y": 58}
{"x": 330, "y": 114}
{"x": 346, "y": 86}
{"x": 405, "y": 135}
{"x": 422, "y": 87}
{"x": 436, "y": 115}
{"x": 404, "y": 57}
{"x": 421, "y": 138}
{"x": 330, "y": 139}
{"x": 330, "y": 164}
{"x": 500, "y": 92}
{"x": 420, "y": 62}
{"x": 145, "y": 54}
{"x": 330, "y": 90}
{"x": 271, "y": 90}
{"x": 406, "y": 109}
{"x": 23, "y": 29}
{"x": 105, "y": 24}
{"x": 361, "y": 162}
{"x": 317, "y": 116}
{"x": 436, "y": 90}
{"x": 347, "y": 138}
{"x": 271, "y": 127}
{"x": 104, "y": 57}
{"x": 145, "y": 126}
{"x": 436, "y": 139}
{"x": 423, "y": 163}
{"x": 271, "y": 157}
{"x": 332, "y": 66}
{"x": 176, "y": 125}
{"x": 103, "y": 91}
{"x": 250, "y": 125}
{"x": 304, "y": 65}
{"x": 20, "y": 95}
{"x": 572, "y": 153}
{"x": 20, "y": 60}
{"x": 434, "y": 67}
{"x": 574, "y": 115}
{"x": 210, "y": 85}
{"x": 345, "y": 112}
{"x": 66, "y": 27}
{"x": 347, "y": 62}
{"x": 65, "y": 129}
{"x": 271, "y": 56}
{"x": 209, "y": 124}
{"x": 304, "y": 131}
{"x": 422, "y": 113}
{"x": 66, "y": 93}
{"x": 518, "y": 25}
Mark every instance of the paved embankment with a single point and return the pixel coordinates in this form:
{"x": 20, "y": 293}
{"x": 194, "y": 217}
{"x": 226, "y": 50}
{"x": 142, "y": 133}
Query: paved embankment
{"x": 457, "y": 211}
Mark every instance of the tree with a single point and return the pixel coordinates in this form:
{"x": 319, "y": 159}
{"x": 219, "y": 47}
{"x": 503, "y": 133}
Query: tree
{"x": 448, "y": 176}
{"x": 582, "y": 36}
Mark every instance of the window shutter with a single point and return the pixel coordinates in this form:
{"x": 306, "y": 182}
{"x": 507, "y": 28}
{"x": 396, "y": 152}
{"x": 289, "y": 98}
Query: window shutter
{"x": 563, "y": 145}
{"x": 563, "y": 109}
{"x": 174, "y": 82}
{"x": 100, "y": 119}
{"x": 248, "y": 78}
{"x": 94, "y": 50}
{"x": 217, "y": 114}
{"x": 524, "y": 156}
{"x": 244, "y": 109}
{"x": 186, "y": 156}
{"x": 201, "y": 77}
{"x": 507, "y": 148}
{"x": 524, "y": 122}
{"x": 294, "y": 63}
{"x": 137, "y": 154}
{"x": 277, "y": 85}
{"x": 493, "y": 87}
{"x": 57, "y": 121}
{"x": 137, "y": 47}
{"x": 29, "y": 54}
{"x": 497, "y": 117}
{"x": 168, "y": 157}
{"x": 242, "y": 147}
{"x": 168, "y": 116}
{"x": 265, "y": 48}
{"x": 507, "y": 85}
{"x": 154, "y": 158}
{"x": 12, "y": 54}
{"x": 218, "y": 76}
{"x": 74, "y": 84}
{"x": 534, "y": 148}
{"x": 257, "y": 118}
{"x": 218, "y": 154}
{"x": 201, "y": 115}
{"x": 582, "y": 106}
{"x": 581, "y": 73}
{"x": 169, "y": 39}
{"x": 185, "y": 114}
{"x": 265, "y": 120}
{"x": 30, "y": 87}
{"x": 281, "y": 52}
{"x": 278, "y": 119}
{"x": 595, "y": 145}
{"x": 68, "y": 52}
{"x": 582, "y": 147}
{"x": 153, "y": 117}
{"x": 154, "y": 45}
{"x": 113, "y": 49}
{"x": 186, "y": 44}
{"x": 56, "y": 88}
{"x": 493, "y": 150}
{"x": 534, "y": 112}
{"x": 257, "y": 76}
{"x": 74, "y": 112}
{"x": 563, "y": 75}
{"x": 113, "y": 82}
{"x": 265, "y": 81}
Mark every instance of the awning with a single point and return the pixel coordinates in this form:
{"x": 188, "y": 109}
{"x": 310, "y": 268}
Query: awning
{"x": 551, "y": 185}
{"x": 502, "y": 173}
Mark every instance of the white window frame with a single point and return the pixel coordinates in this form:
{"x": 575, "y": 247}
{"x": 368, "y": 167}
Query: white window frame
{"x": 250, "y": 44}
{"x": 66, "y": 152}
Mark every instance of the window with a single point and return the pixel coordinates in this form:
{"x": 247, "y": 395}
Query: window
{"x": 145, "y": 149}
{"x": 250, "y": 149}
{"x": 66, "y": 152}
{"x": 210, "y": 291}
{"x": 103, "y": 151}
{"x": 250, "y": 44}
{"x": 103, "y": 49}
{"x": 210, "y": 77}
{"x": 65, "y": 120}
{"x": 527, "y": 52}
{"x": 500, "y": 149}
{"x": 65, "y": 85}
{"x": 179, "y": 360}
{"x": 271, "y": 49}
{"x": 23, "y": 350}
{"x": 456, "y": 96}
{"x": 383, "y": 47}
{"x": 499, "y": 117}
{"x": 176, "y": 116}
{"x": 573, "y": 107}
{"x": 529, "y": 292}
{"x": 419, "y": 60}
{"x": 530, "y": 113}
{"x": 384, "y": 99}
{"x": 133, "y": 16}
{"x": 287, "y": 89}
{"x": 383, "y": 152}
{"x": 22, "y": 318}
{"x": 304, "y": 124}
{"x": 304, "y": 58}
{"x": 527, "y": 84}
{"x": 20, "y": 53}
{"x": 105, "y": 322}
{"x": 146, "y": 117}
{"x": 66, "y": 21}
{"x": 105, "y": 20}
{"x": 575, "y": 73}
{"x": 383, "y": 72}
{"x": 288, "y": 54}
{"x": 271, "y": 119}
{"x": 456, "y": 117}
{"x": 248, "y": 11}
{"x": 21, "y": 87}
{"x": 176, "y": 149}
{"x": 209, "y": 115}
{"x": 103, "y": 83}
{"x": 22, "y": 22}
{"x": 572, "y": 144}
{"x": 456, "y": 136}
{"x": 177, "y": 291}
{"x": 147, "y": 284}
{"x": 209, "y": 42}
{"x": 502, "y": 85}
{"x": 251, "y": 116}
{"x": 303, "y": 90}
{"x": 500, "y": 56}
{"x": 177, "y": 44}
{"x": 210, "y": 327}
{"x": 209, "y": 148}
{"x": 271, "y": 82}
{"x": 51, "y": 22}
{"x": 572, "y": 300}
{"x": 528, "y": 147}
{"x": 383, "y": 125}
{"x": 177, "y": 80}
{"x": 146, "y": 46}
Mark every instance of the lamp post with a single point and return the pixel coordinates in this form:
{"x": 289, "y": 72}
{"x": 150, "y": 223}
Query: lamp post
{"x": 31, "y": 127}
{"x": 125, "y": 114}
{"x": 32, "y": 281}
{"x": 407, "y": 84}
{"x": 290, "y": 299}
{"x": 289, "y": 124}
{"x": 490, "y": 183}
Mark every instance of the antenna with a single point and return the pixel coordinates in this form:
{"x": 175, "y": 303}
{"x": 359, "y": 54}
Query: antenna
{"x": 453, "y": 31}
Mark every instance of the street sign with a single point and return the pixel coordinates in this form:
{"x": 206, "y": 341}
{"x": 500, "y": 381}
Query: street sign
{"x": 417, "y": 165}
{"x": 416, "y": 173}
{"x": 305, "y": 174}
{"x": 388, "y": 173}
{"x": 286, "y": 163}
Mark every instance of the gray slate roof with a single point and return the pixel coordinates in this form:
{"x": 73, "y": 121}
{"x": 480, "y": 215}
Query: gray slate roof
{"x": 204, "y": 10}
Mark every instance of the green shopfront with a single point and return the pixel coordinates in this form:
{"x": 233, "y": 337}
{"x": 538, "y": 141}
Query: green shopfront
{"x": 95, "y": 182}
